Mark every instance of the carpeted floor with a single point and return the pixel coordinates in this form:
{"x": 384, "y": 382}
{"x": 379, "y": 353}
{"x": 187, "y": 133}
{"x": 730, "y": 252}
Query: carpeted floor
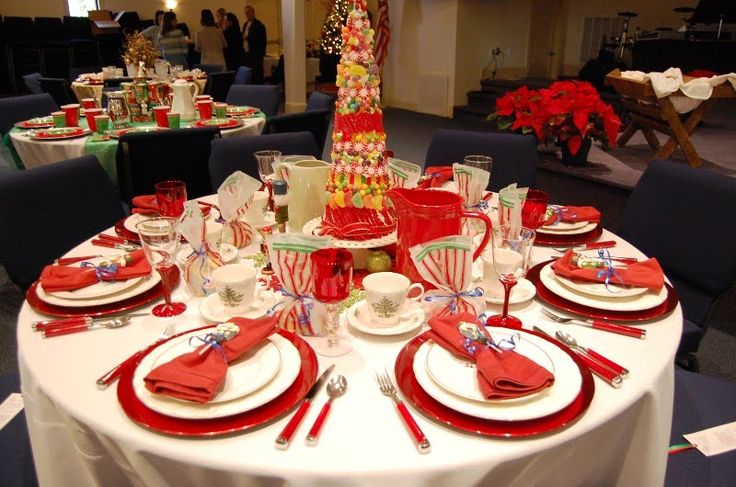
{"x": 409, "y": 135}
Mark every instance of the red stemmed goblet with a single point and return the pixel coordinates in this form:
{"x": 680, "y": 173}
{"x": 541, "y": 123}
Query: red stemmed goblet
{"x": 160, "y": 241}
{"x": 171, "y": 196}
{"x": 534, "y": 211}
{"x": 512, "y": 250}
{"x": 332, "y": 274}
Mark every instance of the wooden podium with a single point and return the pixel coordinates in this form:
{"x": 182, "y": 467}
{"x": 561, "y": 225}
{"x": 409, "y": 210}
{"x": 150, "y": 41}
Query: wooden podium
{"x": 649, "y": 113}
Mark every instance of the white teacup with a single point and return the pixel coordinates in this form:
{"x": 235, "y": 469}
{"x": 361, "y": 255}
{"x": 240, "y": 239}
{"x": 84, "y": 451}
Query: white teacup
{"x": 491, "y": 284}
{"x": 236, "y": 286}
{"x": 256, "y": 210}
{"x": 386, "y": 294}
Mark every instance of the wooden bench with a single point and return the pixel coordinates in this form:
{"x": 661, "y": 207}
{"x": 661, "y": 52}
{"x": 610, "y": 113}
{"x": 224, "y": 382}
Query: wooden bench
{"x": 649, "y": 113}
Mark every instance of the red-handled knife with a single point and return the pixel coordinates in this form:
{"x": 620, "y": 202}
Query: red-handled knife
{"x": 283, "y": 440}
{"x": 597, "y": 245}
{"x": 618, "y": 329}
{"x": 74, "y": 260}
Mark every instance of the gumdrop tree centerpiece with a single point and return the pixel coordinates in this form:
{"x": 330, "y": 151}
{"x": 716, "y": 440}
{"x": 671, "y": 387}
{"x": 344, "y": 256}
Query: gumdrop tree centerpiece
{"x": 358, "y": 181}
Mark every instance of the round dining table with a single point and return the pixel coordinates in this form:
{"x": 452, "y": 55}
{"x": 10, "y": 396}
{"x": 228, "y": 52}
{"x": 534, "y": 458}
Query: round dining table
{"x": 85, "y": 89}
{"x": 81, "y": 436}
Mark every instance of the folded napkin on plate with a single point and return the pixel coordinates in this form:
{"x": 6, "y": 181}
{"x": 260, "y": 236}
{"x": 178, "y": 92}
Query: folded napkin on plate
{"x": 56, "y": 278}
{"x": 199, "y": 377}
{"x": 501, "y": 374}
{"x": 572, "y": 214}
{"x": 640, "y": 274}
{"x": 145, "y": 204}
{"x": 438, "y": 175}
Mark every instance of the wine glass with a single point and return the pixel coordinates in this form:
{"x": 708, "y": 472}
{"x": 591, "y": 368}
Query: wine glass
{"x": 512, "y": 250}
{"x": 534, "y": 211}
{"x": 171, "y": 196}
{"x": 160, "y": 240}
{"x": 266, "y": 160}
{"x": 332, "y": 274}
{"x": 479, "y": 161}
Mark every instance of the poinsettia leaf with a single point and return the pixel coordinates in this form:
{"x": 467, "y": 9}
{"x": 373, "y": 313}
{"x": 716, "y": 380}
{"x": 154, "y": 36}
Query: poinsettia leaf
{"x": 504, "y": 124}
{"x": 574, "y": 143}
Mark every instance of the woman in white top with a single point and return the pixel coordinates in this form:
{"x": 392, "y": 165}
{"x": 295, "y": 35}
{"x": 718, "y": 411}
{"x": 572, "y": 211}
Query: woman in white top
{"x": 210, "y": 41}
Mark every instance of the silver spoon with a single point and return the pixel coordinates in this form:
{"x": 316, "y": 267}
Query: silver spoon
{"x": 570, "y": 341}
{"x": 335, "y": 388}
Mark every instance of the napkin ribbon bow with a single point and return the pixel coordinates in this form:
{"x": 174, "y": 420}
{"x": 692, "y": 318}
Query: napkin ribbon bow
{"x": 453, "y": 298}
{"x": 306, "y": 303}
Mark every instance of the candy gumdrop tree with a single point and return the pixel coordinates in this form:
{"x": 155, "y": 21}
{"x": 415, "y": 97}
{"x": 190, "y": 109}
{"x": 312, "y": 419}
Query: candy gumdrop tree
{"x": 356, "y": 208}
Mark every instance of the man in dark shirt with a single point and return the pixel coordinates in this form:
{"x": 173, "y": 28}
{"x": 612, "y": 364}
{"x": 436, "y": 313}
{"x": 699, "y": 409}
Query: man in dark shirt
{"x": 254, "y": 43}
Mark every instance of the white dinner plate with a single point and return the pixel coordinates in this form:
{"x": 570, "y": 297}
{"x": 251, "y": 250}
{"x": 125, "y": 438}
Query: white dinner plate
{"x": 565, "y": 226}
{"x": 562, "y": 393}
{"x": 599, "y": 289}
{"x": 359, "y": 318}
{"x": 212, "y": 309}
{"x": 142, "y": 286}
{"x": 247, "y": 374}
{"x": 98, "y": 289}
{"x": 287, "y": 373}
{"x": 588, "y": 227}
{"x": 451, "y": 372}
{"x": 134, "y": 219}
{"x": 641, "y": 302}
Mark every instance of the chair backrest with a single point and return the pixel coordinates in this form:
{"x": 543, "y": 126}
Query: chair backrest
{"x": 18, "y": 29}
{"x": 320, "y": 101}
{"x": 210, "y": 68}
{"x": 683, "y": 217}
{"x": 244, "y": 76}
{"x": 264, "y": 97}
{"x": 77, "y": 27}
{"x": 44, "y": 212}
{"x": 236, "y": 153}
{"x": 18, "y": 108}
{"x": 59, "y": 89}
{"x": 32, "y": 84}
{"x": 49, "y": 28}
{"x": 219, "y": 84}
{"x": 514, "y": 156}
{"x": 144, "y": 159}
{"x": 314, "y": 121}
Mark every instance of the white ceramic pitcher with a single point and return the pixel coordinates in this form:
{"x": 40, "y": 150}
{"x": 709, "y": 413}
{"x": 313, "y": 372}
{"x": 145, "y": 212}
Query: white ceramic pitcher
{"x": 307, "y": 181}
{"x": 183, "y": 101}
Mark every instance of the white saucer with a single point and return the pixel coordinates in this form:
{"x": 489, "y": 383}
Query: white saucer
{"x": 359, "y": 318}
{"x": 522, "y": 292}
{"x": 227, "y": 251}
{"x": 588, "y": 227}
{"x": 212, "y": 309}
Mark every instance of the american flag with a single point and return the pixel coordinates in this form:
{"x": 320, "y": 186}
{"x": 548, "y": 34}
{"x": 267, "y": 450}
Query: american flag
{"x": 383, "y": 32}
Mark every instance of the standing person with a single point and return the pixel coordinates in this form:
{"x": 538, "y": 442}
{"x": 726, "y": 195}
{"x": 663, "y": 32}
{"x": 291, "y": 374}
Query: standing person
{"x": 152, "y": 33}
{"x": 234, "y": 52}
{"x": 174, "y": 44}
{"x": 254, "y": 43}
{"x": 209, "y": 41}
{"x": 221, "y": 18}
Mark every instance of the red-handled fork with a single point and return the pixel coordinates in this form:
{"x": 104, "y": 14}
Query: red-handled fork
{"x": 571, "y": 342}
{"x": 388, "y": 389}
{"x": 598, "y": 325}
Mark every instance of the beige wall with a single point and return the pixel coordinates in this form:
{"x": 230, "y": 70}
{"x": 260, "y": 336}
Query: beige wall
{"x": 33, "y": 8}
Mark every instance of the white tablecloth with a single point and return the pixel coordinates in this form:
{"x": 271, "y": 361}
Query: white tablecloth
{"x": 36, "y": 153}
{"x": 81, "y": 436}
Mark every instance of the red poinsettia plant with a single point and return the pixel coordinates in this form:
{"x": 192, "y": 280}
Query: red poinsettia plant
{"x": 566, "y": 113}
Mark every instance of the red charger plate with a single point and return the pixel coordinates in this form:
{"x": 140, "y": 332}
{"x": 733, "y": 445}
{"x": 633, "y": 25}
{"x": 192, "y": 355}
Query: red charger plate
{"x": 548, "y": 240}
{"x": 27, "y": 124}
{"x": 156, "y": 292}
{"x": 152, "y": 420}
{"x": 229, "y": 123}
{"x": 437, "y": 411}
{"x": 564, "y": 304}
{"x": 71, "y": 134}
{"x": 248, "y": 112}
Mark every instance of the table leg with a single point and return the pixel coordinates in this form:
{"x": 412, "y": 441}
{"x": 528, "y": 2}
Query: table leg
{"x": 681, "y": 132}
{"x": 627, "y": 134}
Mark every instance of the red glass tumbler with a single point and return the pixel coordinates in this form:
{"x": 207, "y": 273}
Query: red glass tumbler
{"x": 332, "y": 274}
{"x": 171, "y": 196}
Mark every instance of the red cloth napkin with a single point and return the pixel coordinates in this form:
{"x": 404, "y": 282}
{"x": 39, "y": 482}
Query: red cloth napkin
{"x": 439, "y": 175}
{"x": 572, "y": 214}
{"x": 640, "y": 274}
{"x": 68, "y": 278}
{"x": 145, "y": 204}
{"x": 501, "y": 374}
{"x": 199, "y": 378}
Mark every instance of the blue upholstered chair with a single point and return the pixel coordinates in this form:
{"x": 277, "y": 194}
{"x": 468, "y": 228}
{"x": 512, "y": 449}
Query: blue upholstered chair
{"x": 243, "y": 76}
{"x": 701, "y": 402}
{"x": 44, "y": 212}
{"x": 514, "y": 156}
{"x": 320, "y": 101}
{"x": 683, "y": 217}
{"x": 236, "y": 153}
{"x": 144, "y": 159}
{"x": 314, "y": 121}
{"x": 263, "y": 97}
{"x": 59, "y": 89}
{"x": 32, "y": 84}
{"x": 16, "y": 468}
{"x": 18, "y": 108}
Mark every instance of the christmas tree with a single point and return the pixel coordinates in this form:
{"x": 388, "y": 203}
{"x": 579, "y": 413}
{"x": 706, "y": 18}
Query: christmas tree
{"x": 358, "y": 180}
{"x": 330, "y": 41}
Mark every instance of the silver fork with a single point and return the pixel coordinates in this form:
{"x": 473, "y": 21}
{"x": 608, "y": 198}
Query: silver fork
{"x": 112, "y": 375}
{"x": 388, "y": 389}
{"x": 597, "y": 325}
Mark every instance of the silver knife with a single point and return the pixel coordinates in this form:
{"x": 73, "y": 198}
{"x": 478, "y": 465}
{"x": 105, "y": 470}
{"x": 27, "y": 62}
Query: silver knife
{"x": 282, "y": 441}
